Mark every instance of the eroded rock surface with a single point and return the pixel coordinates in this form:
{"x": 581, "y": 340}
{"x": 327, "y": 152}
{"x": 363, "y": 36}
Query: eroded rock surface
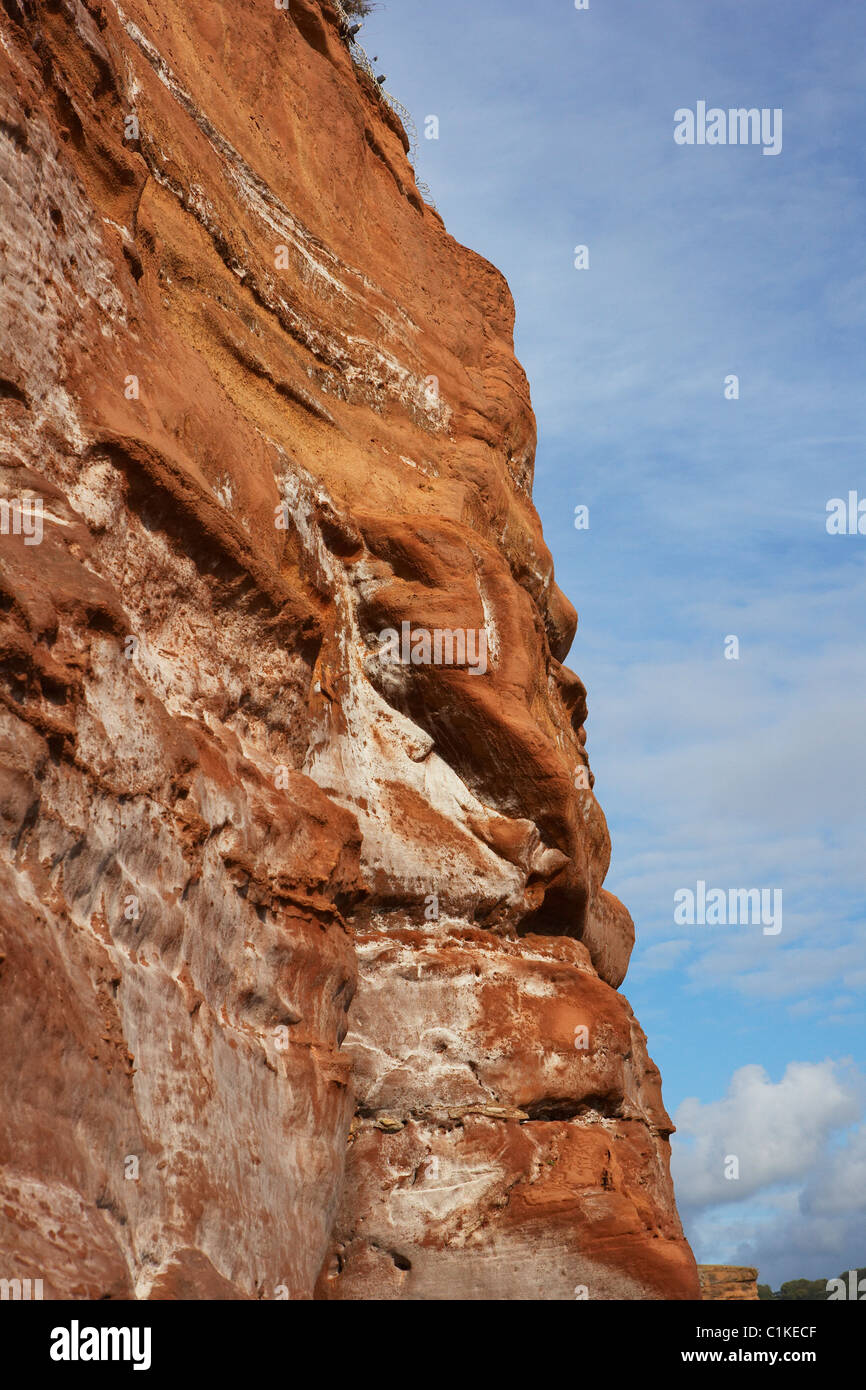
{"x": 727, "y": 1283}
{"x": 309, "y": 979}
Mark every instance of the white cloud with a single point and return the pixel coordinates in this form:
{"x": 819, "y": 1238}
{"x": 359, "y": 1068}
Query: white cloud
{"x": 776, "y": 1131}
{"x": 798, "y": 1208}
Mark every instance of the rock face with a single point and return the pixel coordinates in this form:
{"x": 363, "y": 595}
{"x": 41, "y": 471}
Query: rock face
{"x": 722, "y": 1283}
{"x": 309, "y": 979}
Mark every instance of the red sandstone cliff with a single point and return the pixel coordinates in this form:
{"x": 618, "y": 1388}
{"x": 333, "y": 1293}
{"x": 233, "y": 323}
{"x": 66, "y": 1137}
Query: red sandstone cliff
{"x": 297, "y": 942}
{"x": 728, "y": 1283}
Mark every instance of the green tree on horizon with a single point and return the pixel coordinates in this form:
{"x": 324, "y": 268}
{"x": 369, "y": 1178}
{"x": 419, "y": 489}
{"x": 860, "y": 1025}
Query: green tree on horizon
{"x": 804, "y": 1290}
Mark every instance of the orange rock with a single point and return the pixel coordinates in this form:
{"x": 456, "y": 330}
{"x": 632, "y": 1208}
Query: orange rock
{"x": 724, "y": 1283}
{"x": 267, "y": 409}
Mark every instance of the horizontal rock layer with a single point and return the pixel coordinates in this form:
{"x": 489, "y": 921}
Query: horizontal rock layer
{"x": 724, "y": 1283}
{"x": 309, "y": 978}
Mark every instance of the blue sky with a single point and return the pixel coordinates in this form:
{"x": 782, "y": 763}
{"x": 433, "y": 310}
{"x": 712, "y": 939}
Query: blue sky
{"x": 707, "y": 519}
